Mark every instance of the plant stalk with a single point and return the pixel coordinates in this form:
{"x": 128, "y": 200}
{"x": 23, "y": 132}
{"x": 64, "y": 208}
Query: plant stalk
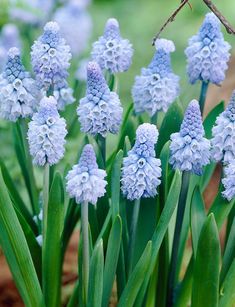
{"x": 153, "y": 119}
{"x": 203, "y": 93}
{"x": 175, "y": 249}
{"x": 134, "y": 223}
{"x": 85, "y": 248}
{"x": 102, "y": 145}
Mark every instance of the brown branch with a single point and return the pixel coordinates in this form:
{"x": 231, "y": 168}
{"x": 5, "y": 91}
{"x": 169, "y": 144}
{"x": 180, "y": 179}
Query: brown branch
{"x": 170, "y": 19}
{"x": 223, "y": 20}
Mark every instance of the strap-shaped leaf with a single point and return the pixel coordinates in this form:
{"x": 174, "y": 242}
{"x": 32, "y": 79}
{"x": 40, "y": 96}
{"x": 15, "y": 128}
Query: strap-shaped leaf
{"x": 115, "y": 184}
{"x": 52, "y": 246}
{"x": 17, "y": 253}
{"x": 95, "y": 288}
{"x": 205, "y": 291}
{"x": 228, "y": 290}
{"x": 136, "y": 279}
{"x": 111, "y": 259}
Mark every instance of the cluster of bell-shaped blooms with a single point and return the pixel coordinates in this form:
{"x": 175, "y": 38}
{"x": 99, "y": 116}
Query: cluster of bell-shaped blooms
{"x": 141, "y": 169}
{"x": 157, "y": 86}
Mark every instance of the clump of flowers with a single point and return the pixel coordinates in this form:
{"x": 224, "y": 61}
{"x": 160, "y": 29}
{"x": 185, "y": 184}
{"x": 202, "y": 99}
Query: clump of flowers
{"x": 50, "y": 60}
{"x": 46, "y": 134}
{"x": 111, "y": 51}
{"x": 223, "y": 141}
{"x": 85, "y": 182}
{"x": 229, "y": 181}
{"x": 18, "y": 91}
{"x": 189, "y": 149}
{"x": 100, "y": 111}
{"x": 208, "y": 53}
{"x": 141, "y": 170}
{"x": 157, "y": 86}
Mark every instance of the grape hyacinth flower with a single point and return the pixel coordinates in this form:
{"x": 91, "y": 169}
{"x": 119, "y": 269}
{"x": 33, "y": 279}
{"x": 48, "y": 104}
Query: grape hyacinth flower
{"x": 100, "y": 111}
{"x": 229, "y": 181}
{"x": 141, "y": 170}
{"x": 50, "y": 59}
{"x": 189, "y": 149}
{"x": 81, "y": 73}
{"x": 208, "y": 53}
{"x": 10, "y": 36}
{"x": 111, "y": 51}
{"x": 85, "y": 182}
{"x": 70, "y": 17}
{"x": 157, "y": 86}
{"x": 223, "y": 141}
{"x": 18, "y": 91}
{"x": 46, "y": 134}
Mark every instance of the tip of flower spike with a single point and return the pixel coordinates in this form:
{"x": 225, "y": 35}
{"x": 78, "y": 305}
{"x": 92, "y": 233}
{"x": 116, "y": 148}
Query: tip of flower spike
{"x": 112, "y": 22}
{"x": 48, "y": 102}
{"x": 194, "y": 104}
{"x": 88, "y": 158}
{"x": 212, "y": 18}
{"x": 9, "y": 30}
{"x": 13, "y": 52}
{"x": 112, "y": 28}
{"x": 93, "y": 67}
{"x": 147, "y": 132}
{"x": 165, "y": 44}
{"x": 52, "y": 26}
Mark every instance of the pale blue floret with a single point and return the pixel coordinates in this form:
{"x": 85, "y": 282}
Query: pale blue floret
{"x": 85, "y": 182}
{"x": 70, "y": 17}
{"x": 51, "y": 60}
{"x": 223, "y": 141}
{"x": 189, "y": 149}
{"x": 141, "y": 169}
{"x": 100, "y": 111}
{"x": 111, "y": 51}
{"x": 18, "y": 91}
{"x": 157, "y": 86}
{"x": 208, "y": 53}
{"x": 46, "y": 134}
{"x": 229, "y": 181}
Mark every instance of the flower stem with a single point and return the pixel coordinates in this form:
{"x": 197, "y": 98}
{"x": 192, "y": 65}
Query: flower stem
{"x": 134, "y": 223}
{"x": 175, "y": 249}
{"x": 153, "y": 119}
{"x": 202, "y": 98}
{"x": 102, "y": 145}
{"x": 85, "y": 247}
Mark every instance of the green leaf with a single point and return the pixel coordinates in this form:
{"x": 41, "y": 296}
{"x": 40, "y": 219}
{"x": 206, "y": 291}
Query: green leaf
{"x": 52, "y": 246}
{"x": 115, "y": 184}
{"x": 170, "y": 124}
{"x": 16, "y": 251}
{"x": 95, "y": 288}
{"x": 205, "y": 291}
{"x": 111, "y": 259}
{"x": 228, "y": 290}
{"x": 229, "y": 253}
{"x": 198, "y": 217}
{"x": 136, "y": 279}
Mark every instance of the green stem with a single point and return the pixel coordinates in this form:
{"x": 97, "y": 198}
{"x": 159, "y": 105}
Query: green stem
{"x": 153, "y": 119}
{"x": 102, "y": 145}
{"x": 175, "y": 249}
{"x": 85, "y": 247}
{"x": 134, "y": 223}
{"x": 202, "y": 98}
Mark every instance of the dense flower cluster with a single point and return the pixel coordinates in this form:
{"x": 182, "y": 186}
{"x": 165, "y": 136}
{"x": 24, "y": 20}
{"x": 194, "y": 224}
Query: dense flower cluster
{"x": 18, "y": 91}
{"x": 100, "y": 111}
{"x": 141, "y": 170}
{"x": 223, "y": 141}
{"x": 229, "y": 181}
{"x": 111, "y": 51}
{"x": 85, "y": 182}
{"x": 71, "y": 17}
{"x": 157, "y": 86}
{"x": 208, "y": 53}
{"x": 46, "y": 133}
{"x": 50, "y": 60}
{"x": 189, "y": 149}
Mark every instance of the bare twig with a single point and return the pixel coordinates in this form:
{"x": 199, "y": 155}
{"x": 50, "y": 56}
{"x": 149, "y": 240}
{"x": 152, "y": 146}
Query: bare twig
{"x": 170, "y": 19}
{"x": 223, "y": 20}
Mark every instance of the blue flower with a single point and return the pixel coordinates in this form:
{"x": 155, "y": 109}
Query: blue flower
{"x": 229, "y": 181}
{"x": 223, "y": 141}
{"x": 70, "y": 17}
{"x": 85, "y": 182}
{"x": 100, "y": 111}
{"x": 46, "y": 134}
{"x": 111, "y": 51}
{"x": 208, "y": 53}
{"x": 18, "y": 91}
{"x": 141, "y": 170}
{"x": 189, "y": 149}
{"x": 50, "y": 59}
{"x": 157, "y": 86}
